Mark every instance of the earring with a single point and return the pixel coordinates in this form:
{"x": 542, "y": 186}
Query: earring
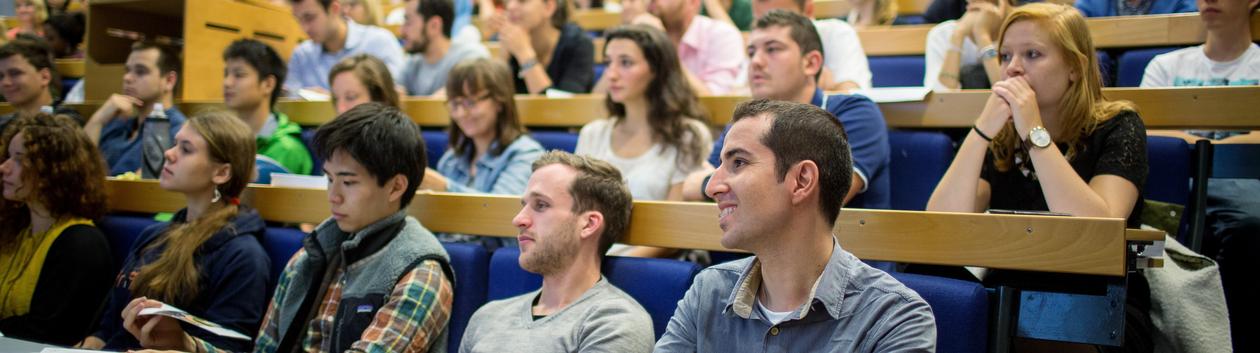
{"x": 217, "y": 196}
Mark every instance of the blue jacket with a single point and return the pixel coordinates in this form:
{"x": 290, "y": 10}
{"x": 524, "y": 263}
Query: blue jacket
{"x": 235, "y": 275}
{"x": 1104, "y": 8}
{"x": 868, "y": 141}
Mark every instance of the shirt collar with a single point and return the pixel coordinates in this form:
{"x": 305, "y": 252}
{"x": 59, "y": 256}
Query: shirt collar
{"x": 354, "y": 35}
{"x": 819, "y": 99}
{"x": 694, "y": 36}
{"x": 269, "y": 127}
{"x": 828, "y": 290}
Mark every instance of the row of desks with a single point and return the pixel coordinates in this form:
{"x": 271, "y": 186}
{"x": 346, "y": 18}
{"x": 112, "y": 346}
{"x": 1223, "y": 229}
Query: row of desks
{"x": 1164, "y": 108}
{"x": 1078, "y": 245}
{"x": 1107, "y": 32}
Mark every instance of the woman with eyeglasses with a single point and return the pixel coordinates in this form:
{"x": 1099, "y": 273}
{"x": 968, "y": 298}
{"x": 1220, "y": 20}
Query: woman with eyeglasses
{"x": 489, "y": 150}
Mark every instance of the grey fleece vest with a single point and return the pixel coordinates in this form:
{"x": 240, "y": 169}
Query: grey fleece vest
{"x": 373, "y": 260}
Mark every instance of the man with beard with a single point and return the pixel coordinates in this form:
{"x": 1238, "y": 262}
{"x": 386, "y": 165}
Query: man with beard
{"x": 573, "y": 210}
{"x": 426, "y": 35}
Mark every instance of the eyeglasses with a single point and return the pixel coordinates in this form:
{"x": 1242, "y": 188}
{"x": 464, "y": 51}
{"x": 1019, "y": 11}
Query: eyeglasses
{"x": 466, "y": 103}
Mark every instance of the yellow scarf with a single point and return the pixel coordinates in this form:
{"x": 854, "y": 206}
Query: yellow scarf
{"x": 20, "y": 266}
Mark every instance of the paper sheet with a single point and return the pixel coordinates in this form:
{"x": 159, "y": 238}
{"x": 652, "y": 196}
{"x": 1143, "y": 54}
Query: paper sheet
{"x": 176, "y": 313}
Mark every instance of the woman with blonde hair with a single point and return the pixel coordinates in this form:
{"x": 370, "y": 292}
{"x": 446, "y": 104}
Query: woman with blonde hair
{"x": 53, "y": 266}
{"x": 31, "y": 15}
{"x": 208, "y": 260}
{"x": 1048, "y": 140}
{"x": 360, "y": 79}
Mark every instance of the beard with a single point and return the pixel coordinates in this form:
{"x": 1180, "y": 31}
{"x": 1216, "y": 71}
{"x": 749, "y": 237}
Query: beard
{"x": 419, "y": 45}
{"x": 553, "y": 253}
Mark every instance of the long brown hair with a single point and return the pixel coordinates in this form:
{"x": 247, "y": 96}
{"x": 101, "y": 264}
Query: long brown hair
{"x": 671, "y": 102}
{"x": 174, "y": 277}
{"x": 62, "y": 168}
{"x": 493, "y": 77}
{"x": 374, "y": 75}
{"x": 1083, "y": 106}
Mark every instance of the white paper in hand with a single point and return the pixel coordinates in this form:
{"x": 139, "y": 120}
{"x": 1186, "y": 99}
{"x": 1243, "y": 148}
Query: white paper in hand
{"x": 176, "y": 313}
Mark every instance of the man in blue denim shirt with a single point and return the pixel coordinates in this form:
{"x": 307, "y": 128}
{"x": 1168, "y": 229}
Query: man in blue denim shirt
{"x": 119, "y": 127}
{"x": 785, "y": 169}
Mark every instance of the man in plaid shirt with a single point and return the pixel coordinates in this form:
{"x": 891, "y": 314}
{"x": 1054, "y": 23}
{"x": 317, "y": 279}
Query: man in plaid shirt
{"x": 371, "y": 278}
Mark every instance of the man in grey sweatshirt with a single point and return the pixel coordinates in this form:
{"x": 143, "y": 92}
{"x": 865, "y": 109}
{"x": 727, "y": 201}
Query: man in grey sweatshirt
{"x": 573, "y": 210}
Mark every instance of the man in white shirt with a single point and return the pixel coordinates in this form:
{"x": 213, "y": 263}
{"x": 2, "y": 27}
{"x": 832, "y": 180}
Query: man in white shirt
{"x": 1227, "y": 58}
{"x": 845, "y": 66}
{"x": 332, "y": 38}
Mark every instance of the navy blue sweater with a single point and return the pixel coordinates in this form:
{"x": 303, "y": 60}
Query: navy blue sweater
{"x": 235, "y": 272}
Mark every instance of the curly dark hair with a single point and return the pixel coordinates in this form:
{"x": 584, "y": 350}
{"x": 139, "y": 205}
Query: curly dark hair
{"x": 62, "y": 168}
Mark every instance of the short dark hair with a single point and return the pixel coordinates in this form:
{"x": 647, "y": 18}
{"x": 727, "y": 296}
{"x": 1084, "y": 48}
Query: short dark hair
{"x": 800, "y": 28}
{"x": 36, "y": 52}
{"x": 262, "y": 58}
{"x": 71, "y": 26}
{"x": 443, "y": 9}
{"x": 168, "y": 56}
{"x": 800, "y": 132}
{"x": 324, "y": 3}
{"x": 382, "y": 139}
{"x": 598, "y": 187}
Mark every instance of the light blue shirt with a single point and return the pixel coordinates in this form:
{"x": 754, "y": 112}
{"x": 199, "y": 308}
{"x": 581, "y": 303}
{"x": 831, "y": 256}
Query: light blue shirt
{"x": 505, "y": 173}
{"x": 310, "y": 64}
{"x": 852, "y": 308}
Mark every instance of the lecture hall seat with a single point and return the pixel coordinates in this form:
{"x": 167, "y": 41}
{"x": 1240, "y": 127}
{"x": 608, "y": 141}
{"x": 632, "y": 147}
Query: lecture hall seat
{"x": 122, "y": 230}
{"x": 961, "y": 309}
{"x": 918, "y": 161}
{"x": 897, "y": 71}
{"x": 556, "y": 140}
{"x": 1132, "y": 65}
{"x": 435, "y": 143}
{"x": 471, "y": 264}
{"x": 308, "y": 139}
{"x": 657, "y": 284}
{"x": 281, "y": 243}
{"x": 1170, "y": 160}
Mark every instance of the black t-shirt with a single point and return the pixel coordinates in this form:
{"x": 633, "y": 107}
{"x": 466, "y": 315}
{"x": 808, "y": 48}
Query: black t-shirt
{"x": 76, "y": 276}
{"x": 572, "y": 63}
{"x": 1117, "y": 147}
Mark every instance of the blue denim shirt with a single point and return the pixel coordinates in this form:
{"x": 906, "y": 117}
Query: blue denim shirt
{"x": 854, "y": 308}
{"x": 506, "y": 173}
{"x": 122, "y": 152}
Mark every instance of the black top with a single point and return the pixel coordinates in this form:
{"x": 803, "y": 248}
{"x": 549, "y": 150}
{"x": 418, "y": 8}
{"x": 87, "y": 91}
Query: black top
{"x": 1117, "y": 147}
{"x": 944, "y": 10}
{"x": 572, "y": 63}
{"x": 72, "y": 285}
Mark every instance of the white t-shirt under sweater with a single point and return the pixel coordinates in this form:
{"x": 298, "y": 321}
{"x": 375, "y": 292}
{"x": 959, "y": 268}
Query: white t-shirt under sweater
{"x": 1190, "y": 67}
{"x": 937, "y": 46}
{"x": 650, "y": 174}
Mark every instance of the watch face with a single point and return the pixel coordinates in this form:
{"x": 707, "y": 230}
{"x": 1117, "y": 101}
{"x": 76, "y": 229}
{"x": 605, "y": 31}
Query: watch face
{"x": 1040, "y": 137}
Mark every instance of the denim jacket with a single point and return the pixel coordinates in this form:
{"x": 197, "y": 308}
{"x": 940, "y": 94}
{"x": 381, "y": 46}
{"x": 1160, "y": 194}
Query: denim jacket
{"x": 505, "y": 173}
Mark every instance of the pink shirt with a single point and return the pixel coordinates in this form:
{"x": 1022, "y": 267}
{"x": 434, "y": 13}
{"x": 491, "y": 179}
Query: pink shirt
{"x": 714, "y": 52}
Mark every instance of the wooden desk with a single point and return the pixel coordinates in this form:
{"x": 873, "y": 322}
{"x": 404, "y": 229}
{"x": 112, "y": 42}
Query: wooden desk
{"x": 1107, "y": 32}
{"x": 69, "y": 68}
{"x": 1095, "y": 246}
{"x": 1163, "y": 108}
{"x": 840, "y": 8}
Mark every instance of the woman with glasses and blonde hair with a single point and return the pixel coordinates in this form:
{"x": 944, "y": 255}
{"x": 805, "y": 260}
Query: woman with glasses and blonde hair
{"x": 1048, "y": 140}
{"x": 489, "y": 150}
